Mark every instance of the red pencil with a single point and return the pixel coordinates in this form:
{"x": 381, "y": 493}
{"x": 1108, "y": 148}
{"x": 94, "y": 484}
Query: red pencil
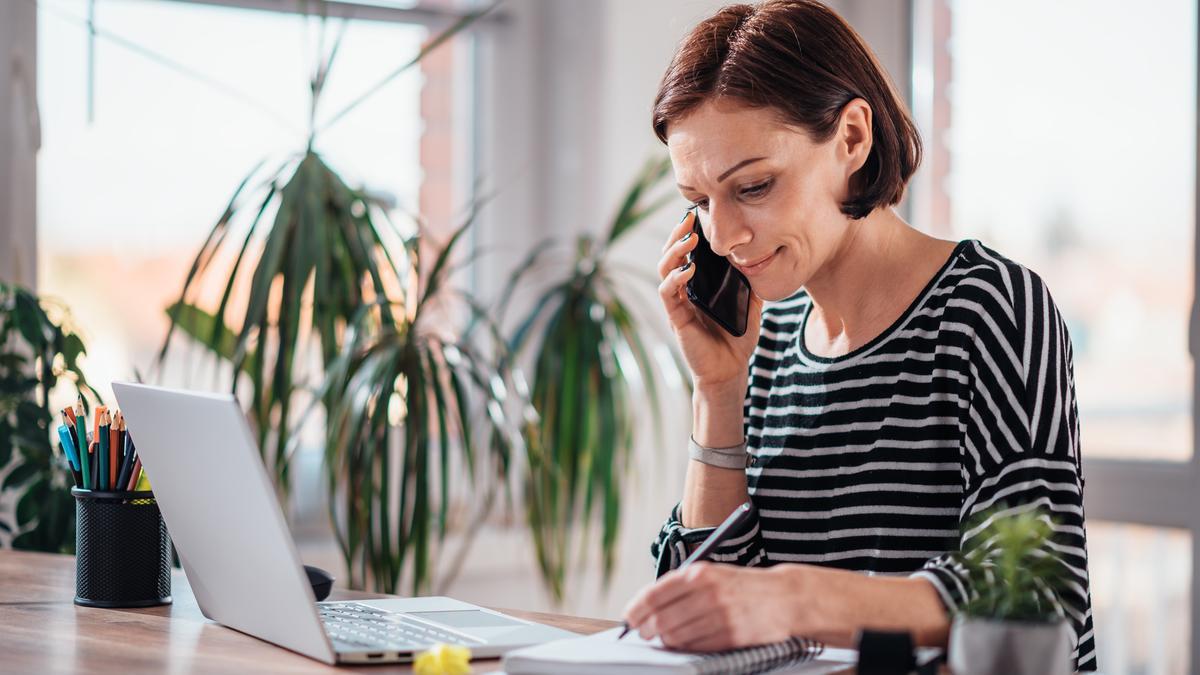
{"x": 135, "y": 475}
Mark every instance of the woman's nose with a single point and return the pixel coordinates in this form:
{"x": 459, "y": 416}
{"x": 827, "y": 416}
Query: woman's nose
{"x": 726, "y": 231}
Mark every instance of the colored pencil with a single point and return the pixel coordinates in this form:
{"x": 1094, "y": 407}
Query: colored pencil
{"x": 102, "y": 437}
{"x": 94, "y": 453}
{"x": 114, "y": 453}
{"x": 100, "y": 410}
{"x": 81, "y": 431}
{"x": 69, "y": 423}
{"x": 119, "y": 422}
{"x": 135, "y": 474}
{"x": 72, "y": 454}
{"x": 126, "y": 456}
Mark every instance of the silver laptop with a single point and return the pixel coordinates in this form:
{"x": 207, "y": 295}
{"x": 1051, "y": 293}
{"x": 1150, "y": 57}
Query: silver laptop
{"x": 240, "y": 560}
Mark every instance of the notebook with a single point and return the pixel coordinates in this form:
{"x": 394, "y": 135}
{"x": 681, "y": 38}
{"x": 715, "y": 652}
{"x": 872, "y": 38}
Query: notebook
{"x": 603, "y": 653}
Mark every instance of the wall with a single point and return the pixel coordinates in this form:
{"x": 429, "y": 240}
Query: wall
{"x": 18, "y": 142}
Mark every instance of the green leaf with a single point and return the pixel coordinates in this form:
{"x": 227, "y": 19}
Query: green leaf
{"x": 30, "y": 319}
{"x": 207, "y": 330}
{"x": 632, "y": 212}
{"x": 22, "y": 474}
{"x": 32, "y": 502}
{"x": 6, "y": 444}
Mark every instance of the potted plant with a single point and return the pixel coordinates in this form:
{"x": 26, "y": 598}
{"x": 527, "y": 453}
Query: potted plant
{"x": 593, "y": 376}
{"x": 1014, "y": 623}
{"x": 328, "y": 305}
{"x": 419, "y": 420}
{"x": 314, "y": 252}
{"x": 36, "y": 351}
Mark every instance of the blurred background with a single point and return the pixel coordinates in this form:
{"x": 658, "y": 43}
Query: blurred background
{"x": 1062, "y": 134}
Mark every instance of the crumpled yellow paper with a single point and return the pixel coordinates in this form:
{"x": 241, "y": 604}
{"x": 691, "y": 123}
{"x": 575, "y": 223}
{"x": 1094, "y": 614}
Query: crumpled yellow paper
{"x": 443, "y": 659}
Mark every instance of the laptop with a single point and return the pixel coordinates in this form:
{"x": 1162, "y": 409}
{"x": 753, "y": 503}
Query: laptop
{"x": 240, "y": 560}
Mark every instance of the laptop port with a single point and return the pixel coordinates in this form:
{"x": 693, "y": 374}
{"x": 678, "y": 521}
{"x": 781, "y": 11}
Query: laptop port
{"x": 375, "y": 655}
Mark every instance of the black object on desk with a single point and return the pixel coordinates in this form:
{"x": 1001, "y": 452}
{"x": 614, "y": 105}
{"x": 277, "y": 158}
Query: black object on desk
{"x": 122, "y": 550}
{"x": 322, "y": 581}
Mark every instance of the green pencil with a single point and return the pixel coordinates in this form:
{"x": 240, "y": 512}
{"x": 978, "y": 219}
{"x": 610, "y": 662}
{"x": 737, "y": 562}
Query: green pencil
{"x": 102, "y": 452}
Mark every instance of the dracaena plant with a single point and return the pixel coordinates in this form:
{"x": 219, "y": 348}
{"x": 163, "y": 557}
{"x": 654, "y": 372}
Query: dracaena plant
{"x": 419, "y": 430}
{"x": 314, "y": 252}
{"x": 36, "y": 352}
{"x": 593, "y": 378}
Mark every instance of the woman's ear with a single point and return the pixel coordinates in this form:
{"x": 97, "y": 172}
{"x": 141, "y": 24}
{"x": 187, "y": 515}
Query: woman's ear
{"x": 854, "y": 135}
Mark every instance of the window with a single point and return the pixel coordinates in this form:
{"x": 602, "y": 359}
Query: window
{"x": 124, "y": 202}
{"x": 1063, "y": 136}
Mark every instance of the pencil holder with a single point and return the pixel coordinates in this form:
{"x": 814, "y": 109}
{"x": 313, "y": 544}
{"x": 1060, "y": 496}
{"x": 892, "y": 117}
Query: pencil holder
{"x": 122, "y": 550}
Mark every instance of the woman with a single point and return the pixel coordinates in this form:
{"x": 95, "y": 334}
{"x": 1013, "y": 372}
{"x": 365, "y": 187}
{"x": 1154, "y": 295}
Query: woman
{"x": 899, "y": 385}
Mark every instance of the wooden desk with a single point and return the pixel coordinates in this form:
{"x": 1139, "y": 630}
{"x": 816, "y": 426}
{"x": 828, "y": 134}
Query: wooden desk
{"x": 43, "y": 631}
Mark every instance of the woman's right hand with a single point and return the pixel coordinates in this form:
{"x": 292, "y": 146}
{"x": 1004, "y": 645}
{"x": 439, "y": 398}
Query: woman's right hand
{"x": 716, "y": 358}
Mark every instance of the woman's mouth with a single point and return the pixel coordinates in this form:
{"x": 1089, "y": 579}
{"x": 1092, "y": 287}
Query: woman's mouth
{"x": 756, "y": 266}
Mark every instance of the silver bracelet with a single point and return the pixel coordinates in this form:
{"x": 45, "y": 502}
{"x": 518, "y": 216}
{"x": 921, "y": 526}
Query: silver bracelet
{"x": 733, "y": 457}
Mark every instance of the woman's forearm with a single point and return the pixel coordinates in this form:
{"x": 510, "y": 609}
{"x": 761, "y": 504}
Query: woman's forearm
{"x": 833, "y": 605}
{"x": 711, "y": 493}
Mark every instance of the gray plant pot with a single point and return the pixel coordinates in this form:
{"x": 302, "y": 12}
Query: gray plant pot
{"x": 993, "y": 647}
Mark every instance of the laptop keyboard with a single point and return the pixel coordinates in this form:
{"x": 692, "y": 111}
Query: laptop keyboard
{"x": 370, "y": 628}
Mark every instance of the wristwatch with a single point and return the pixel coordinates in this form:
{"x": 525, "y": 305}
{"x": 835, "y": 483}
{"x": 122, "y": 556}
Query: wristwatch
{"x": 733, "y": 457}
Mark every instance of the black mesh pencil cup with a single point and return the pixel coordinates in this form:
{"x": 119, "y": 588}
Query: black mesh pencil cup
{"x": 122, "y": 549}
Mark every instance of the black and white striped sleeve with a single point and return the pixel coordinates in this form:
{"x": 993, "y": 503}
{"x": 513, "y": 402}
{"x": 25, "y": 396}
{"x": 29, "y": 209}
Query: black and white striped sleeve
{"x": 1020, "y": 442}
{"x": 670, "y": 548}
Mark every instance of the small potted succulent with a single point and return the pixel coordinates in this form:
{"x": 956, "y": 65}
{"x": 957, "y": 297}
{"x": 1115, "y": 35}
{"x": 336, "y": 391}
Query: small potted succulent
{"x": 1014, "y": 623}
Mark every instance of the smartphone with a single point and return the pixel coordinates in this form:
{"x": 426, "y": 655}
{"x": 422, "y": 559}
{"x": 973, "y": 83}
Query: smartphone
{"x": 717, "y": 287}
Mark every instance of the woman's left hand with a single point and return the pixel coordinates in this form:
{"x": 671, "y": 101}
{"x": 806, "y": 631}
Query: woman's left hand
{"x": 712, "y": 606}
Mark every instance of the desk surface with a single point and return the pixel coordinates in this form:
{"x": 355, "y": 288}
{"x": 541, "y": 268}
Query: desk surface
{"x": 43, "y": 631}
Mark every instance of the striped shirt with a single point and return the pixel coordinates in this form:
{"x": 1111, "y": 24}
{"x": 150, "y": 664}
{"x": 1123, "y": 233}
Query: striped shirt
{"x": 879, "y": 461}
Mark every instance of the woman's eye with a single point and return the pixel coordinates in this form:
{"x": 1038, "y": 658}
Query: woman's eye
{"x": 701, "y": 204}
{"x": 756, "y": 190}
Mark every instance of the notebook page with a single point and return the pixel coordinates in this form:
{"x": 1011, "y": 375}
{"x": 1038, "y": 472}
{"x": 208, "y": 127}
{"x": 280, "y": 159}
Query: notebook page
{"x": 598, "y": 653}
{"x": 603, "y": 653}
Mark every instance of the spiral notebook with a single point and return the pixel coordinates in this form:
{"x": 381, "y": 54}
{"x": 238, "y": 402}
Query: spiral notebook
{"x": 603, "y": 653}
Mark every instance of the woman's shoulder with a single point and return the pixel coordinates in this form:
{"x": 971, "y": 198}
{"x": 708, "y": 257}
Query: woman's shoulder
{"x": 984, "y": 282}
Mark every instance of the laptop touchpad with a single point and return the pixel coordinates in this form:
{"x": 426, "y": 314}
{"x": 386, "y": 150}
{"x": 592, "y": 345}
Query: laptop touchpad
{"x": 466, "y": 618}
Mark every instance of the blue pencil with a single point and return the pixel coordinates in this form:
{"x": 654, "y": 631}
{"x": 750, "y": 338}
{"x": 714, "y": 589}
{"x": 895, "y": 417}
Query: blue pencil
{"x": 72, "y": 454}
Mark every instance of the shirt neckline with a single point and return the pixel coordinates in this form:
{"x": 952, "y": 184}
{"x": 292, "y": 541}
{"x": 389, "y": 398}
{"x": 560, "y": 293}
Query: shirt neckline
{"x": 890, "y": 330}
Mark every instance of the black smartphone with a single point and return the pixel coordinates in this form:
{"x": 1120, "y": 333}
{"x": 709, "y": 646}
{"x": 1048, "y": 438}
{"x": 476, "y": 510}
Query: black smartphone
{"x": 718, "y": 288}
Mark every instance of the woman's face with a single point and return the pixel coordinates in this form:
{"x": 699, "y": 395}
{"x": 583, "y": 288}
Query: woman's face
{"x": 767, "y": 195}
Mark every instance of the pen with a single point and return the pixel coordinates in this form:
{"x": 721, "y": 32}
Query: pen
{"x": 733, "y": 523}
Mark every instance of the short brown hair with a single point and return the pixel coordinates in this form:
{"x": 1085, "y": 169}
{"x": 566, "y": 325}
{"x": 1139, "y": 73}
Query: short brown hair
{"x": 802, "y": 59}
